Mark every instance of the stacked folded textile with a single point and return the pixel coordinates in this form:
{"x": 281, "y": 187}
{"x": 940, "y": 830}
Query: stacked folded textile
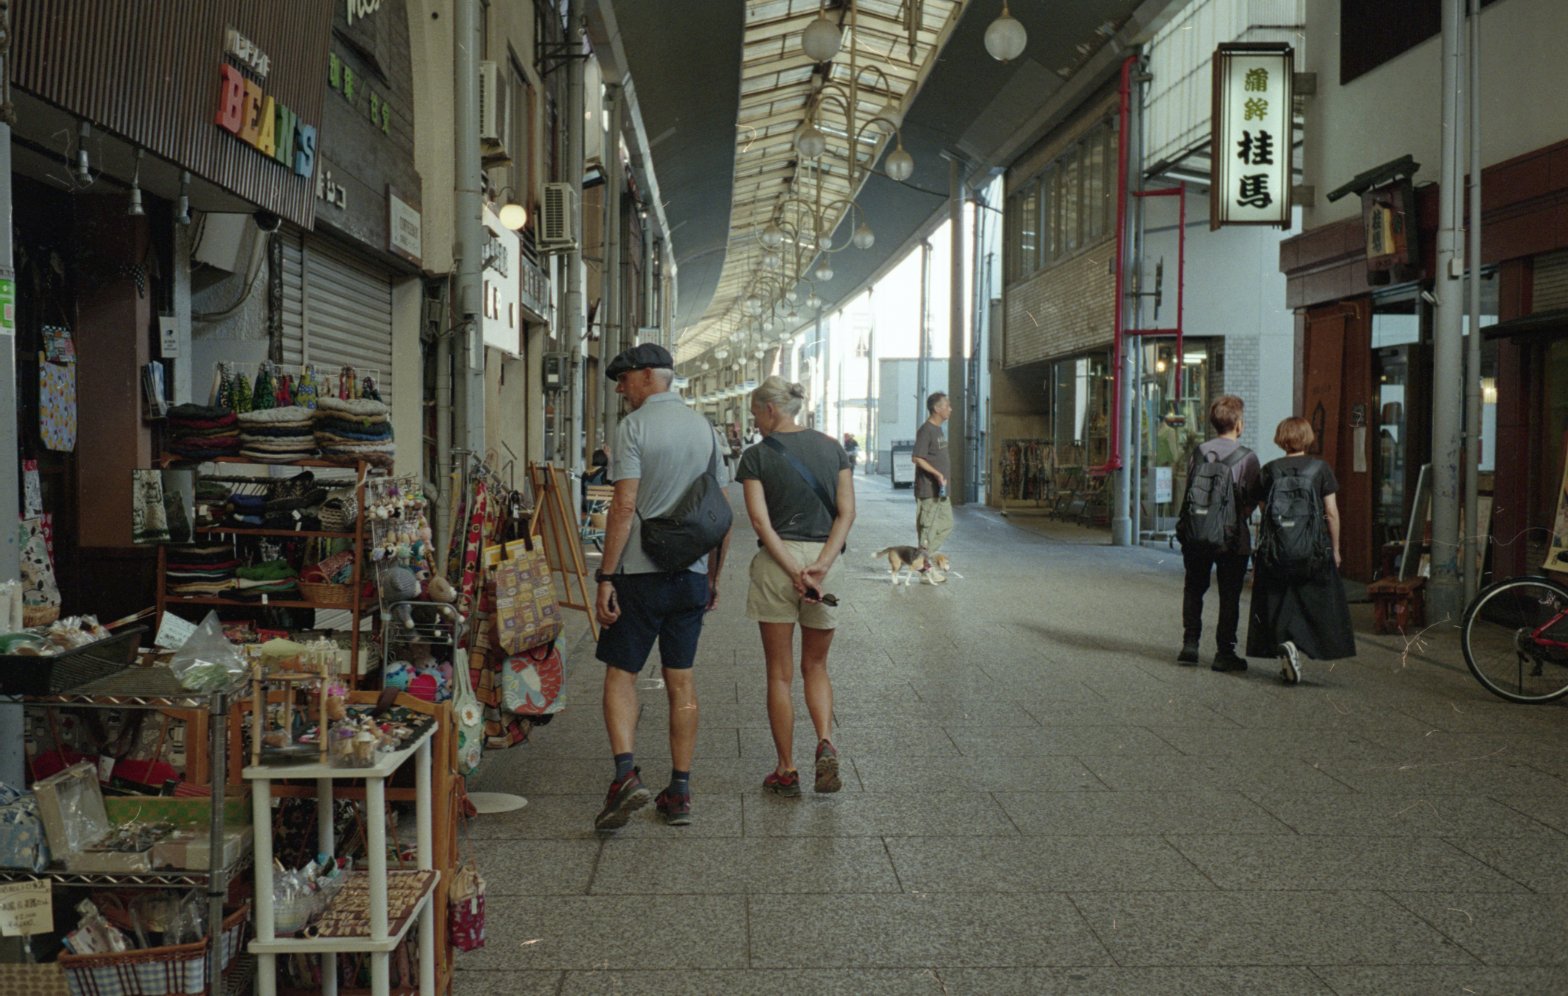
{"x": 246, "y": 511}
{"x": 199, "y": 432}
{"x": 277, "y": 435}
{"x": 355, "y": 429}
{"x": 273, "y": 577}
{"x": 201, "y": 570}
{"x": 301, "y": 512}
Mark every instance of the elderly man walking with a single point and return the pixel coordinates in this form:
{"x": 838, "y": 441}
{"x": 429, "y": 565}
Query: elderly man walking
{"x": 661, "y": 449}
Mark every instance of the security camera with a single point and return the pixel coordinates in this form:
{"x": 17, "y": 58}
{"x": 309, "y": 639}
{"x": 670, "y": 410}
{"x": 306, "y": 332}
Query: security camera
{"x": 267, "y": 221}
{"x": 1429, "y": 298}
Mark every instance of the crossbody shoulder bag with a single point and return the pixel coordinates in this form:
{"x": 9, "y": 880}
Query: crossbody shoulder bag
{"x": 696, "y": 525}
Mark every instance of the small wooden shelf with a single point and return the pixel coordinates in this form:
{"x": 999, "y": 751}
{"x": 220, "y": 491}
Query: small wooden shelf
{"x": 253, "y": 531}
{"x": 271, "y": 603}
{"x": 416, "y": 888}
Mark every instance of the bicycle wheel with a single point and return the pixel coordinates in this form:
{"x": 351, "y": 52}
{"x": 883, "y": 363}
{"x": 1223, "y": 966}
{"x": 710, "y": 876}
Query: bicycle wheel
{"x": 1515, "y": 639}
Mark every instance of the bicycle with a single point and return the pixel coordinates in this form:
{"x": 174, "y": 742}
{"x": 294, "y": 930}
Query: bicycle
{"x": 1515, "y": 639}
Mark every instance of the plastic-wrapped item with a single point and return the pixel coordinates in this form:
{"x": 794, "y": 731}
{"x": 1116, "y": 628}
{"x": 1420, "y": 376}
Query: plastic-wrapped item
{"x": 208, "y": 660}
{"x": 94, "y": 934}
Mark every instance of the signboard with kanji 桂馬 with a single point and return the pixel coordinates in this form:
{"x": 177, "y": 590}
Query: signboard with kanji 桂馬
{"x": 1253, "y": 135}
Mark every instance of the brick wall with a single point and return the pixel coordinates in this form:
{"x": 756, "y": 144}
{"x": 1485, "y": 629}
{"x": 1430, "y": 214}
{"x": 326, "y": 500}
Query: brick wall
{"x": 1063, "y": 310}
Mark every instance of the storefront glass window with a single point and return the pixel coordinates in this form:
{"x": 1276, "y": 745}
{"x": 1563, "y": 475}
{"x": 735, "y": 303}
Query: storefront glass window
{"x": 1174, "y": 419}
{"x": 1081, "y": 411}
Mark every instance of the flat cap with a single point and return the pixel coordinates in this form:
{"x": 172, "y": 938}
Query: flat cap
{"x": 640, "y": 357}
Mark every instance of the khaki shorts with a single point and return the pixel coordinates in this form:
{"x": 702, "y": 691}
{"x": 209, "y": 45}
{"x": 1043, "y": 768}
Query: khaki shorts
{"x": 773, "y": 598}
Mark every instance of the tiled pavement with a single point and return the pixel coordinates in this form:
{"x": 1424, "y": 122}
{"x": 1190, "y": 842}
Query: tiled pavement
{"x": 1038, "y": 800}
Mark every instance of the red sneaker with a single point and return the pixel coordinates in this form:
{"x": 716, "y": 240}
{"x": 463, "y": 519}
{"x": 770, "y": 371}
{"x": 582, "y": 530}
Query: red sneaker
{"x": 676, "y": 809}
{"x": 787, "y": 784}
{"x": 626, "y": 797}
{"x": 827, "y": 768}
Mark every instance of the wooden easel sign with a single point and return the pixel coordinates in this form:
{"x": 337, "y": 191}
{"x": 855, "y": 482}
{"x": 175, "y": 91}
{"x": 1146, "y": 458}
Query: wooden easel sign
{"x": 555, "y": 524}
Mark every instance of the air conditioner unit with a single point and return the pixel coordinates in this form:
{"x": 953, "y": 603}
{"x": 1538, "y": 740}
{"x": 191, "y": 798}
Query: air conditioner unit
{"x": 495, "y": 114}
{"x": 556, "y": 233}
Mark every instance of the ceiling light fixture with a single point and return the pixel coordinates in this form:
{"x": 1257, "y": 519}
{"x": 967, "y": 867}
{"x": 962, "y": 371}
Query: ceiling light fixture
{"x": 1005, "y": 38}
{"x": 135, "y": 210}
{"x": 183, "y": 213}
{"x": 512, "y": 214}
{"x": 821, "y": 39}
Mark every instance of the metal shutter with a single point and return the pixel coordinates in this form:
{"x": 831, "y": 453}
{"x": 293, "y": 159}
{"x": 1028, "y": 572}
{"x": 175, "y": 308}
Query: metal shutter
{"x": 347, "y": 310}
{"x": 1551, "y": 282}
{"x": 293, "y": 318}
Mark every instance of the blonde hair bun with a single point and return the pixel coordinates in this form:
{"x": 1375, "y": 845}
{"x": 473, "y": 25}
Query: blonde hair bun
{"x": 797, "y": 391}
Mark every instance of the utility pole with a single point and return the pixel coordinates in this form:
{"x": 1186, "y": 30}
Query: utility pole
{"x": 12, "y": 722}
{"x": 1474, "y": 552}
{"x": 957, "y": 369}
{"x": 1445, "y": 594}
{"x": 871, "y": 366}
{"x": 569, "y": 447}
{"x": 468, "y": 344}
{"x": 922, "y": 368}
{"x": 615, "y": 337}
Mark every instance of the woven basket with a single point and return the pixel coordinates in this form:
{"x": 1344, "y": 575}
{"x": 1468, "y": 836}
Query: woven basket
{"x": 338, "y": 512}
{"x": 163, "y": 971}
{"x": 335, "y": 595}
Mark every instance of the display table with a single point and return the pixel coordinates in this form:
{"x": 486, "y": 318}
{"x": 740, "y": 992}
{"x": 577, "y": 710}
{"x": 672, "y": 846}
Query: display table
{"x": 380, "y": 905}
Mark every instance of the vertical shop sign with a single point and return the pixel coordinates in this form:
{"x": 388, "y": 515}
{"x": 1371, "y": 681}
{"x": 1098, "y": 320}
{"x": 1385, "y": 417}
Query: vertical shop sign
{"x": 1253, "y": 135}
{"x": 7, "y": 307}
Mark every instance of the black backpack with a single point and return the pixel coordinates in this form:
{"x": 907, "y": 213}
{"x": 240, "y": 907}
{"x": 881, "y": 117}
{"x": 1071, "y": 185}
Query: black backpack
{"x": 1211, "y": 510}
{"x": 1293, "y": 541}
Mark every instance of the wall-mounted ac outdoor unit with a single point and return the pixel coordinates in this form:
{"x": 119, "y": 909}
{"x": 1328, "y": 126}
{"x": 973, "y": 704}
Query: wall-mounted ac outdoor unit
{"x": 556, "y": 232}
{"x": 495, "y": 115}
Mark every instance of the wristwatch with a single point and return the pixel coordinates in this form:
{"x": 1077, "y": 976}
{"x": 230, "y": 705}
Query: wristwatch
{"x": 600, "y": 577}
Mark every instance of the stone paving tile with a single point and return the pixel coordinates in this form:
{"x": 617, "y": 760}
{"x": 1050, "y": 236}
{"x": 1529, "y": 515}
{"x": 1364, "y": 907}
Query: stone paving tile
{"x": 1399, "y": 815}
{"x": 979, "y": 712}
{"x": 1401, "y": 777}
{"x": 830, "y": 865}
{"x": 1262, "y": 863}
{"x": 1044, "y": 742}
{"x": 1550, "y": 807}
{"x": 1458, "y": 980}
{"x": 1263, "y": 928}
{"x": 922, "y": 981}
{"x": 570, "y": 817}
{"x": 653, "y": 740}
{"x": 1093, "y": 813}
{"x": 915, "y": 740}
{"x": 1154, "y": 715}
{"x": 1523, "y": 929}
{"x": 888, "y": 772}
{"x": 613, "y": 932}
{"x": 875, "y": 814}
{"x": 1232, "y": 740}
{"x": 468, "y": 982}
{"x": 1538, "y": 861}
{"x": 893, "y": 931}
{"x": 1234, "y": 773}
{"x": 1173, "y": 981}
{"x": 536, "y": 867}
{"x": 1041, "y": 864}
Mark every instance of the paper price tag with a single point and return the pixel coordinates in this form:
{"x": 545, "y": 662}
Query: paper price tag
{"x": 173, "y": 632}
{"x": 26, "y": 908}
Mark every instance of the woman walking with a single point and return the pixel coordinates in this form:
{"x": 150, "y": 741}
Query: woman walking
{"x": 1298, "y": 600}
{"x": 800, "y": 496}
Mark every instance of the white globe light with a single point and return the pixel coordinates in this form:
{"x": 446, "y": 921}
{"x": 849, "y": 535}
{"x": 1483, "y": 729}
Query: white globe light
{"x": 514, "y": 216}
{"x": 754, "y": 305}
{"x": 792, "y": 295}
{"x": 771, "y": 261}
{"x": 769, "y": 324}
{"x": 772, "y": 236}
{"x": 722, "y": 353}
{"x": 864, "y": 237}
{"x": 813, "y": 302}
{"x": 810, "y": 142}
{"x": 824, "y": 272}
{"x": 1005, "y": 38}
{"x": 900, "y": 165}
{"x": 821, "y": 40}
{"x": 824, "y": 242}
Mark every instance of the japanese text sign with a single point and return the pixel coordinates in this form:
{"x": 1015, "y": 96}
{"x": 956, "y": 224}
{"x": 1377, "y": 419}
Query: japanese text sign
{"x": 1252, "y": 135}
{"x": 26, "y": 908}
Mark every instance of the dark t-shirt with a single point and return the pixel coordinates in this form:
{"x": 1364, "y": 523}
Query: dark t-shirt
{"x": 1245, "y": 474}
{"x": 930, "y": 446}
{"x": 793, "y": 506}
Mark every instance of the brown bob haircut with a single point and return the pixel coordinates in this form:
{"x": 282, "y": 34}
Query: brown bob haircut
{"x": 1294, "y": 435}
{"x": 1225, "y": 412}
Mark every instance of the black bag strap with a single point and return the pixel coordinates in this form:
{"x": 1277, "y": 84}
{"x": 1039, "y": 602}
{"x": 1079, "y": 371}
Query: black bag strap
{"x": 805, "y": 474}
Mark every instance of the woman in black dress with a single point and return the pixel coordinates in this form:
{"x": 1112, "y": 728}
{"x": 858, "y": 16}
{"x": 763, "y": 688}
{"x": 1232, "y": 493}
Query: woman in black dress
{"x": 1293, "y": 618}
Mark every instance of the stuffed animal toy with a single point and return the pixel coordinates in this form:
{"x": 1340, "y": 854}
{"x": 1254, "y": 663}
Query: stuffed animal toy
{"x": 439, "y": 589}
{"x": 398, "y": 584}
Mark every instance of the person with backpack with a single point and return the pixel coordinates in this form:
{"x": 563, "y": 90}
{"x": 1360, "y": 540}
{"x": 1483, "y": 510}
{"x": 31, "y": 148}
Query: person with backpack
{"x": 1298, "y": 600}
{"x": 1213, "y": 533}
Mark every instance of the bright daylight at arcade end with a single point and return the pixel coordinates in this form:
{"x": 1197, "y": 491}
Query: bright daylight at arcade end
{"x": 783, "y": 496}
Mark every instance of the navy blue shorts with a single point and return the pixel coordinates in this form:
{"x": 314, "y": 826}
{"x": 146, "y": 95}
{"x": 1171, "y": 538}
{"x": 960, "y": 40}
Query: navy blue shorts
{"x": 664, "y": 607}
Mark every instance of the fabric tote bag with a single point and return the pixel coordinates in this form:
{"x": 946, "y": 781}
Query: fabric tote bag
{"x": 533, "y": 683}
{"x": 470, "y": 717}
{"x": 526, "y": 612}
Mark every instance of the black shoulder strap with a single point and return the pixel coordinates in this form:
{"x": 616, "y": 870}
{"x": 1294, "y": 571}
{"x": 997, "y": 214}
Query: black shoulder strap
{"x": 1236, "y": 456}
{"x": 805, "y": 474}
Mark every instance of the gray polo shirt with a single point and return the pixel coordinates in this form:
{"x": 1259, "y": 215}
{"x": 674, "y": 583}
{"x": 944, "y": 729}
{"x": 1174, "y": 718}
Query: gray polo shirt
{"x": 665, "y": 446}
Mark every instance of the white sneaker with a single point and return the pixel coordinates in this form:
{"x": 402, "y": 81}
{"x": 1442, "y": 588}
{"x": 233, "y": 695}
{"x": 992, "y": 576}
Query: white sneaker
{"x": 1289, "y": 663}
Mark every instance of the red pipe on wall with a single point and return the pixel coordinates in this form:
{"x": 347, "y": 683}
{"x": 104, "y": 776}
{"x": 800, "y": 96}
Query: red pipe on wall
{"x": 1124, "y": 114}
